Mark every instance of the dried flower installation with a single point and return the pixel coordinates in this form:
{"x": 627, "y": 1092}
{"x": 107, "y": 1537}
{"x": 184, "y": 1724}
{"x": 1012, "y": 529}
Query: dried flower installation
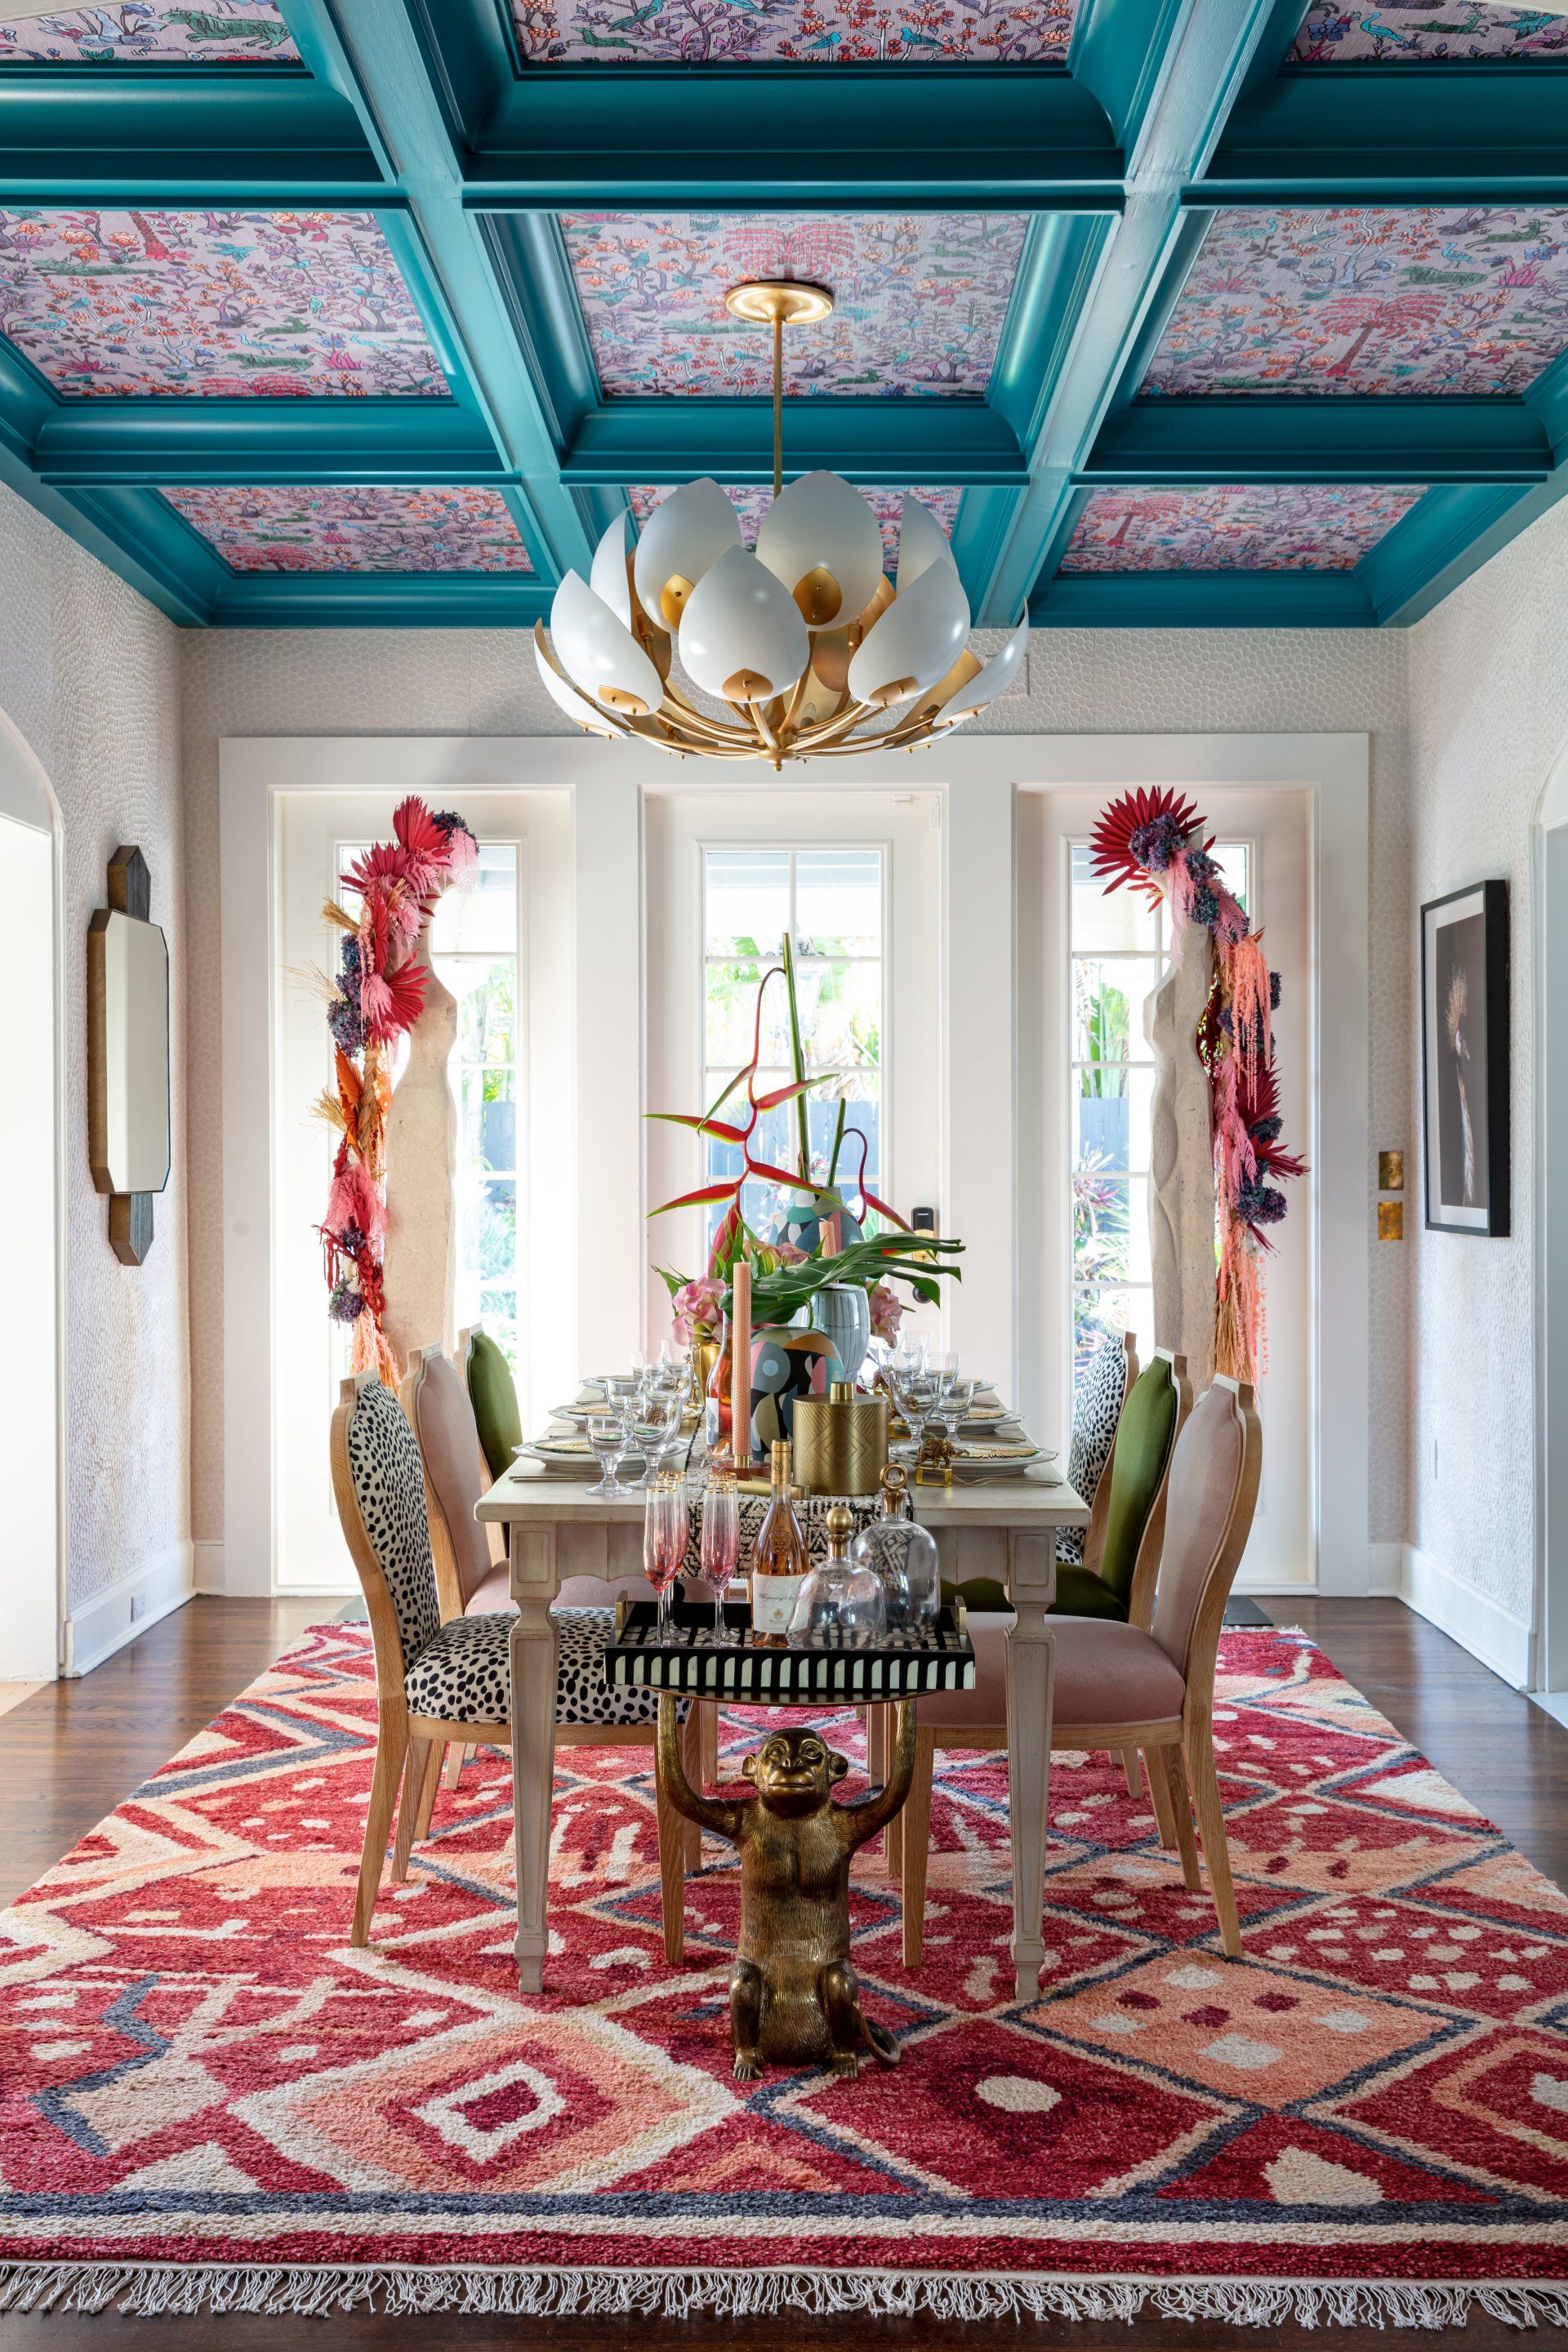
{"x": 377, "y": 996}
{"x": 1155, "y": 842}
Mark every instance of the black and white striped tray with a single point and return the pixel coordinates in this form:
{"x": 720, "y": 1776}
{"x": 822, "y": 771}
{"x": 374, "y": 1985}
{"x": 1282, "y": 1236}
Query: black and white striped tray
{"x": 901, "y": 1667}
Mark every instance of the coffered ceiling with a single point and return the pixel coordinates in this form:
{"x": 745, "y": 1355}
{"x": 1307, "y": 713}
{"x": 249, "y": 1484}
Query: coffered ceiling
{"x": 1176, "y": 311}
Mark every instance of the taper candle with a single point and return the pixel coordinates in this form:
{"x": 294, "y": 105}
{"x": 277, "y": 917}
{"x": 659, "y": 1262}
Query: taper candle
{"x": 741, "y": 1364}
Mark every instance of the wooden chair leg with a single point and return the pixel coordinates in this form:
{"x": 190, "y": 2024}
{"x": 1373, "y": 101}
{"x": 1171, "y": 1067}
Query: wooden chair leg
{"x": 416, "y": 1757}
{"x": 427, "y": 1793}
{"x": 457, "y": 1755}
{"x": 390, "y": 1746}
{"x": 689, "y": 1833}
{"x": 915, "y": 1821}
{"x": 672, "y": 1877}
{"x": 878, "y": 1741}
{"x": 1159, "y": 1799}
{"x": 1130, "y": 1773}
{"x": 1198, "y": 1743}
{"x": 1168, "y": 1762}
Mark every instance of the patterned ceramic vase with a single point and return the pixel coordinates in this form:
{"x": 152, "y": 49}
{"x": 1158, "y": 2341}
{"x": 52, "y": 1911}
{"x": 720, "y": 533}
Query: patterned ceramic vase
{"x": 786, "y": 1363}
{"x": 804, "y": 1214}
{"x": 841, "y": 1311}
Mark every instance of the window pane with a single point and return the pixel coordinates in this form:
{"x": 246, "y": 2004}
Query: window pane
{"x": 1108, "y": 1008}
{"x": 481, "y": 920}
{"x": 486, "y": 1119}
{"x": 1101, "y": 1313}
{"x": 746, "y": 893}
{"x": 1233, "y": 859}
{"x": 840, "y": 1014}
{"x": 838, "y": 902}
{"x": 1111, "y": 1109}
{"x": 1103, "y": 921}
{"x": 1110, "y": 1228}
{"x": 487, "y": 1232}
{"x": 733, "y": 1011}
{"x": 486, "y": 991}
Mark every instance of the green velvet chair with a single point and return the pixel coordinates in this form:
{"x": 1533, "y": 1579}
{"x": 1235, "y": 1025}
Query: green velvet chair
{"x": 494, "y": 1397}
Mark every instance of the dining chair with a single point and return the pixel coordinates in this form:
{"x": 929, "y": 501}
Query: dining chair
{"x": 493, "y": 1394}
{"x": 1125, "y": 1687}
{"x": 1120, "y": 1553}
{"x": 451, "y": 1681}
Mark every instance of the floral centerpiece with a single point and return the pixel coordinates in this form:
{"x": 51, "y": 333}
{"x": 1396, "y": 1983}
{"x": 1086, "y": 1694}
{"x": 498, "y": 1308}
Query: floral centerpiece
{"x": 787, "y": 1278}
{"x": 377, "y": 994}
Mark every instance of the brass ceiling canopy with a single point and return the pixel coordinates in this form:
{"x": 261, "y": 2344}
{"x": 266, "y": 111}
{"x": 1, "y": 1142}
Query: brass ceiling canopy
{"x": 805, "y": 641}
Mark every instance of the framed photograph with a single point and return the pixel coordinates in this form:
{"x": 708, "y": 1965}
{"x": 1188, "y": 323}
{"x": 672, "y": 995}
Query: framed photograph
{"x": 1464, "y": 1059}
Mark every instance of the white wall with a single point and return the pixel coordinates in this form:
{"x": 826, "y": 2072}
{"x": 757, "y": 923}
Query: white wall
{"x": 482, "y": 682}
{"x": 1489, "y": 698}
{"x": 90, "y": 675}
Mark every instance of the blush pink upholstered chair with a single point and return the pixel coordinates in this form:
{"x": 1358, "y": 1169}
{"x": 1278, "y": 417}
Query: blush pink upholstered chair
{"x": 1123, "y": 1686}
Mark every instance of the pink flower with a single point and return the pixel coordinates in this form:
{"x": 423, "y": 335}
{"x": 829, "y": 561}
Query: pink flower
{"x": 697, "y": 1309}
{"x": 887, "y": 1312}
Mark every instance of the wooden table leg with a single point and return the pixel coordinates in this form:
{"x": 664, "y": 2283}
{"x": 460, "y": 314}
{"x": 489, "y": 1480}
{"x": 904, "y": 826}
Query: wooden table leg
{"x": 533, "y": 1671}
{"x": 1031, "y": 1658}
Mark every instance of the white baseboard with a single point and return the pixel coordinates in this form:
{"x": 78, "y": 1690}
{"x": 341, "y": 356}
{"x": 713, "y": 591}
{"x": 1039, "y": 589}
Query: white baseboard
{"x": 209, "y": 1575}
{"x": 99, "y": 1627}
{"x": 1385, "y": 1570}
{"x": 1490, "y": 1634}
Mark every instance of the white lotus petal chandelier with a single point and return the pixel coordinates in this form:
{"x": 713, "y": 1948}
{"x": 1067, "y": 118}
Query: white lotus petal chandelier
{"x": 808, "y": 644}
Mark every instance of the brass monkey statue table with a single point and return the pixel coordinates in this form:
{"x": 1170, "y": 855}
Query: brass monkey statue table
{"x": 795, "y": 1998}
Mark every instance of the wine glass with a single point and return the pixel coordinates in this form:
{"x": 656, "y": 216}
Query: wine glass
{"x": 663, "y": 1544}
{"x": 655, "y": 1428}
{"x": 721, "y": 1542}
{"x": 918, "y": 1396}
{"x": 953, "y": 1407}
{"x": 607, "y": 1436}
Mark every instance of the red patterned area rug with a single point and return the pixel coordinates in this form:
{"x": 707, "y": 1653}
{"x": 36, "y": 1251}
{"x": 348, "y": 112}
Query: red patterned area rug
{"x": 209, "y": 2102}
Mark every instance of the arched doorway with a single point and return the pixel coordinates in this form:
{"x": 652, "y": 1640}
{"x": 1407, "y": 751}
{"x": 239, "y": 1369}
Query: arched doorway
{"x": 32, "y": 1212}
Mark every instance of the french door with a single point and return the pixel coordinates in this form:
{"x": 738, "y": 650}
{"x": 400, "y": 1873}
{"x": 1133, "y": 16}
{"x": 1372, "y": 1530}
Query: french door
{"x": 854, "y": 879}
{"x": 503, "y": 949}
{"x": 1085, "y": 1193}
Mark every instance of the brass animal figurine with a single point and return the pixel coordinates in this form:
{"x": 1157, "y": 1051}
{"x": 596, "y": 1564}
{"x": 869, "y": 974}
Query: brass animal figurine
{"x": 794, "y": 2000}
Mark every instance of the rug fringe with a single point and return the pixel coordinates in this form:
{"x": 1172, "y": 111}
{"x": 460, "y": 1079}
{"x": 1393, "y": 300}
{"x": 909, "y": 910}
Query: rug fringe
{"x": 160, "y": 2290}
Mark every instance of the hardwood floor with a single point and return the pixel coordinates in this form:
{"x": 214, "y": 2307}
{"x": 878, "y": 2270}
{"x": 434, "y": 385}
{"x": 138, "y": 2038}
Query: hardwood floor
{"x": 70, "y": 1752}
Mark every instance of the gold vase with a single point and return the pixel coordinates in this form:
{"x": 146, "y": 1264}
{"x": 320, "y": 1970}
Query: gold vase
{"x": 704, "y": 1356}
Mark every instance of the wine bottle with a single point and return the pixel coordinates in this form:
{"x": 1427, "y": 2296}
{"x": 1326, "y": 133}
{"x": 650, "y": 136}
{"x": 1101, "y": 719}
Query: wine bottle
{"x": 780, "y": 1560}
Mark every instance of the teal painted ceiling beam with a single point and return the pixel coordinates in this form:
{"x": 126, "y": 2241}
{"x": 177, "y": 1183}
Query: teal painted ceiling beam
{"x": 123, "y": 138}
{"x": 1278, "y": 437}
{"x": 1213, "y": 600}
{"x": 224, "y": 441}
{"x": 867, "y": 440}
{"x": 1388, "y": 133}
{"x": 1182, "y": 106}
{"x": 412, "y": 121}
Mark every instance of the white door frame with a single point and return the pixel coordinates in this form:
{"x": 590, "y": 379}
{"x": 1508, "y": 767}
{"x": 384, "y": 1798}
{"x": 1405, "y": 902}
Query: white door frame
{"x": 32, "y": 1285}
{"x": 979, "y": 776}
{"x": 1549, "y": 1107}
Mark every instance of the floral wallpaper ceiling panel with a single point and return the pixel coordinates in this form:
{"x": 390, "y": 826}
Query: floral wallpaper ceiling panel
{"x": 1262, "y": 529}
{"x": 751, "y": 503}
{"x": 920, "y": 299}
{"x": 370, "y": 529}
{"x": 227, "y": 304}
{"x": 1428, "y": 300}
{"x": 152, "y": 32}
{"x": 805, "y": 32}
{"x": 1424, "y": 33}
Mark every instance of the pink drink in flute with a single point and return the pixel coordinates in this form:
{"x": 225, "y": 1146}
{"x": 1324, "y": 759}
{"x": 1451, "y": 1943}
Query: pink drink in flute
{"x": 663, "y": 1544}
{"x": 720, "y": 1538}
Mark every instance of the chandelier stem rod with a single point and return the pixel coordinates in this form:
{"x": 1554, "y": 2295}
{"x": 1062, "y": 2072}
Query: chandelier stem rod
{"x": 778, "y": 403}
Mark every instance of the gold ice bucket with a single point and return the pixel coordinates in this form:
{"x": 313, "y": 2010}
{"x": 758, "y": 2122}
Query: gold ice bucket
{"x": 840, "y": 1443}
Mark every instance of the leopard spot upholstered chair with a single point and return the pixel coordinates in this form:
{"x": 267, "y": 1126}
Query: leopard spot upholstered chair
{"x": 1120, "y": 1686}
{"x": 451, "y": 1681}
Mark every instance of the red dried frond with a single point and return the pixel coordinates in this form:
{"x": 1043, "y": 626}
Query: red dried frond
{"x": 1110, "y": 856}
{"x": 418, "y": 832}
{"x": 393, "y": 1000}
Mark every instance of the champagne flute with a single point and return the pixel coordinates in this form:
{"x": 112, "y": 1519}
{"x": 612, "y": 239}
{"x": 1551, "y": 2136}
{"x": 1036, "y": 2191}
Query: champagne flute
{"x": 606, "y": 1435}
{"x": 721, "y": 1542}
{"x": 664, "y": 1546}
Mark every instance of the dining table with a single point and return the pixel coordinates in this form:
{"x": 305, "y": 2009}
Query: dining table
{"x": 1006, "y": 1528}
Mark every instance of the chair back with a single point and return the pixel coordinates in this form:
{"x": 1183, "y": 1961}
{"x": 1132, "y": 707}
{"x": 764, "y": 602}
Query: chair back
{"x": 1131, "y": 1529}
{"x": 1210, "y": 1499}
{"x": 435, "y": 1399}
{"x": 379, "y": 1481}
{"x": 494, "y": 1397}
{"x": 1097, "y": 1400}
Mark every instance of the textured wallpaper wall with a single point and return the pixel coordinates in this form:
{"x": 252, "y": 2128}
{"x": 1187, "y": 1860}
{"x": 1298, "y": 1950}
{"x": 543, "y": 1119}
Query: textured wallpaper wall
{"x": 480, "y": 682}
{"x": 89, "y": 673}
{"x": 1489, "y": 700}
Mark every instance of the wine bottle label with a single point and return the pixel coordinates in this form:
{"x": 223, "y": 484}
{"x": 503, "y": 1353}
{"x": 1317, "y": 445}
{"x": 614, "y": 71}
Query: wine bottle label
{"x": 773, "y": 1602}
